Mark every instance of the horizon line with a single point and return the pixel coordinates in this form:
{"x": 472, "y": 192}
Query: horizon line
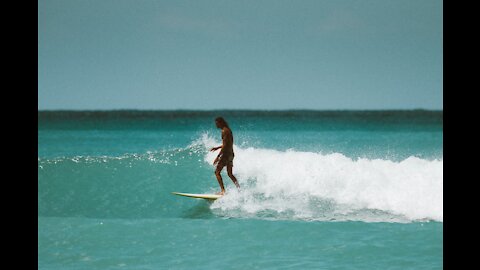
{"x": 209, "y": 110}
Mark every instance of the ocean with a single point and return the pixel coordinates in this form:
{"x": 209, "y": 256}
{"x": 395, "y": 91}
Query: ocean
{"x": 319, "y": 190}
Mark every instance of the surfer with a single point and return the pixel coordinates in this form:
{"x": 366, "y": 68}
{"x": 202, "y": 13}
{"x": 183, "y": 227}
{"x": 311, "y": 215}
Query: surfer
{"x": 226, "y": 155}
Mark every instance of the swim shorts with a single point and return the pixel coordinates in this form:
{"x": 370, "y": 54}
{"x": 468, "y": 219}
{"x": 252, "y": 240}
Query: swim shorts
{"x": 226, "y": 159}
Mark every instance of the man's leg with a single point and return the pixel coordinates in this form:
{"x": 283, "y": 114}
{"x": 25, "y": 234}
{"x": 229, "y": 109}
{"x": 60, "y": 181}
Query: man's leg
{"x": 219, "y": 178}
{"x": 230, "y": 174}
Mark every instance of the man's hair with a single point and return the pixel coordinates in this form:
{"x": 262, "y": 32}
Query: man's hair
{"x": 222, "y": 121}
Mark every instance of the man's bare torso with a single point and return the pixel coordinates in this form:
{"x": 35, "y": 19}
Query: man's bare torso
{"x": 227, "y": 139}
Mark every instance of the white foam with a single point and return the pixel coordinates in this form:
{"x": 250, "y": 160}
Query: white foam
{"x": 308, "y": 185}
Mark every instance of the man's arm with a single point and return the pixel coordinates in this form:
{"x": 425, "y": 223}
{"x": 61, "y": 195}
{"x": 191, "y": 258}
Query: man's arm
{"x": 221, "y": 146}
{"x": 215, "y": 148}
{"x": 224, "y": 137}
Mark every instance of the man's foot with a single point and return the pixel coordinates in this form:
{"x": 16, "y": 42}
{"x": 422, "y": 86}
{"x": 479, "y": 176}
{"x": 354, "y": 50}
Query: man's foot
{"x": 220, "y": 193}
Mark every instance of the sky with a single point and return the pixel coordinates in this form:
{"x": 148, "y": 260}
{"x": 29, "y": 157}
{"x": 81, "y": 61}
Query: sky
{"x": 266, "y": 55}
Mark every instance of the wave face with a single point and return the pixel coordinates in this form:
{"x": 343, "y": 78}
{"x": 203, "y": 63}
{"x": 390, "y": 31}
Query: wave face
{"x": 315, "y": 186}
{"x": 276, "y": 184}
{"x": 292, "y": 165}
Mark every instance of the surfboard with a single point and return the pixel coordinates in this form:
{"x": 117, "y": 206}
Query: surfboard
{"x": 199, "y": 196}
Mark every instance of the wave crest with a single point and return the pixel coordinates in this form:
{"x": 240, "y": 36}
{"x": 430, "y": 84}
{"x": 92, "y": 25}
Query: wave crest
{"x": 308, "y": 185}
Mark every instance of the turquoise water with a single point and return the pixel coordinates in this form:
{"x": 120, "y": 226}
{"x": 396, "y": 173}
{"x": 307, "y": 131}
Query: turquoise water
{"x": 320, "y": 190}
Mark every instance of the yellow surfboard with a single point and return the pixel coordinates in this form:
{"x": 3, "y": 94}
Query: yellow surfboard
{"x": 199, "y": 196}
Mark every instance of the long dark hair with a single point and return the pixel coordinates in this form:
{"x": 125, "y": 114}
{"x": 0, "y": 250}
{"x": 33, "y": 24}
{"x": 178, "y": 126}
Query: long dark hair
{"x": 222, "y": 121}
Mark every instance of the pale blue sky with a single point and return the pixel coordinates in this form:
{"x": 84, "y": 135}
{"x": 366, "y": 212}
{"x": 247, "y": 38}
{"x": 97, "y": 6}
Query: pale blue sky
{"x": 117, "y": 54}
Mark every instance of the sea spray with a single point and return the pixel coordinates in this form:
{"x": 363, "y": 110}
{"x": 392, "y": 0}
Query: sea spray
{"x": 303, "y": 183}
{"x": 275, "y": 184}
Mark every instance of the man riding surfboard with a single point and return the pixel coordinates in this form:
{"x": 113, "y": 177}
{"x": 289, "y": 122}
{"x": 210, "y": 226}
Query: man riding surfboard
{"x": 226, "y": 155}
